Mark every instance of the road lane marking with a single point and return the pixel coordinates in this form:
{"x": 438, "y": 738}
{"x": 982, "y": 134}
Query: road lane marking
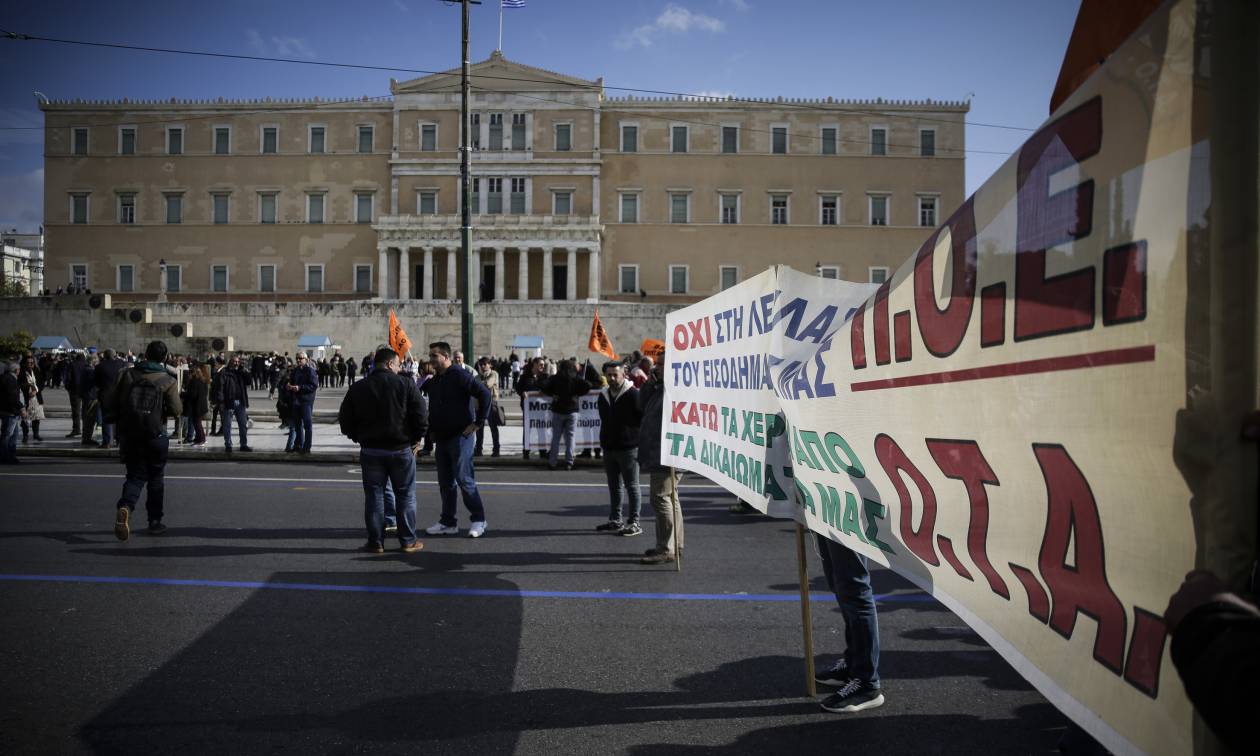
{"x": 356, "y": 481}
{"x": 910, "y": 597}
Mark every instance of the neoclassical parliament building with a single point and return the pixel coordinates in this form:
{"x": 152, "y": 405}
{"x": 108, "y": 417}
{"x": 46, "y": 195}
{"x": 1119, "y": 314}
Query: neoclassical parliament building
{"x": 576, "y": 195}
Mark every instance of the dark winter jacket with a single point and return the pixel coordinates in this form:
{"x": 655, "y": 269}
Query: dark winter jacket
{"x": 233, "y": 385}
{"x": 111, "y": 400}
{"x": 619, "y": 418}
{"x": 1216, "y": 650}
{"x": 383, "y": 411}
{"x": 85, "y": 381}
{"x": 197, "y": 397}
{"x": 106, "y": 373}
{"x": 652, "y": 405}
{"x": 307, "y": 382}
{"x": 456, "y": 401}
{"x": 564, "y": 392}
{"x": 10, "y": 395}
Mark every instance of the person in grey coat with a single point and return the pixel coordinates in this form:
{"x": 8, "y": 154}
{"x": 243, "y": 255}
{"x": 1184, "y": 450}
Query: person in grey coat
{"x": 663, "y": 481}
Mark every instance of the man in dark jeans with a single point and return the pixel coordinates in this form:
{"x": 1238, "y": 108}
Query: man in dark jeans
{"x": 856, "y": 674}
{"x": 106, "y": 375}
{"x": 385, "y": 416}
{"x": 451, "y": 395}
{"x": 619, "y": 420}
{"x": 233, "y": 396}
{"x": 302, "y": 386}
{"x": 89, "y": 400}
{"x": 144, "y": 445}
{"x": 73, "y": 371}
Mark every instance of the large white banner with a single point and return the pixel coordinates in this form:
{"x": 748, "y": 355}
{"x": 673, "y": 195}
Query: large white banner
{"x": 996, "y": 422}
{"x": 537, "y": 422}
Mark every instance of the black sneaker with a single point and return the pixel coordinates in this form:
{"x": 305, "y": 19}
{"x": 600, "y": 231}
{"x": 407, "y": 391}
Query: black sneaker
{"x": 836, "y": 676}
{"x": 631, "y": 529}
{"x": 611, "y": 525}
{"x": 391, "y": 528}
{"x": 245, "y": 448}
{"x": 853, "y": 696}
{"x": 156, "y": 528}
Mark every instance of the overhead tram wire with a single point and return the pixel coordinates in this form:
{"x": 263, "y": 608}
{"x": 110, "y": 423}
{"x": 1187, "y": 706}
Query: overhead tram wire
{"x": 392, "y": 69}
{"x": 672, "y": 119}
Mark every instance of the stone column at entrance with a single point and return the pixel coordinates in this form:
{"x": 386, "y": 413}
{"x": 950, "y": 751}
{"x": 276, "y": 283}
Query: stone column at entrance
{"x": 570, "y": 288}
{"x": 499, "y": 274}
{"x": 522, "y": 274}
{"x": 592, "y": 281}
{"x": 427, "y": 291}
{"x": 474, "y": 274}
{"x": 451, "y": 293}
{"x": 404, "y": 276}
{"x": 547, "y": 274}
{"x": 383, "y": 270}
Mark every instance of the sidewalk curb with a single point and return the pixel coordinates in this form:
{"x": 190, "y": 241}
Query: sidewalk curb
{"x": 347, "y": 457}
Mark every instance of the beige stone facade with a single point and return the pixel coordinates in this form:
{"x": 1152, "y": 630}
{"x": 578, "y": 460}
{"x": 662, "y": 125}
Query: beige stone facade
{"x": 577, "y": 196}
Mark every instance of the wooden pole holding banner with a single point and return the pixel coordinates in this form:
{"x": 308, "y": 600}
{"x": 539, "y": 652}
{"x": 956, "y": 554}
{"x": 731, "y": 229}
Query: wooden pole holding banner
{"x": 807, "y": 623}
{"x": 676, "y": 476}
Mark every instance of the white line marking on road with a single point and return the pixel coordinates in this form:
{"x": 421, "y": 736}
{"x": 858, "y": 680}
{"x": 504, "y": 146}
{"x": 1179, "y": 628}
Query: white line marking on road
{"x": 221, "y": 478}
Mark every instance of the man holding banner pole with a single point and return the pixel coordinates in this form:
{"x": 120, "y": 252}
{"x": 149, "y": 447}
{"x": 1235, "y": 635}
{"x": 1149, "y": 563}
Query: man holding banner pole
{"x": 663, "y": 481}
{"x": 856, "y": 674}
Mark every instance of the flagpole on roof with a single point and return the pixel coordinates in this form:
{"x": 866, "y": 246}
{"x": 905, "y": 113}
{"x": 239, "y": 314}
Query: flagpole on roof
{"x": 500, "y": 26}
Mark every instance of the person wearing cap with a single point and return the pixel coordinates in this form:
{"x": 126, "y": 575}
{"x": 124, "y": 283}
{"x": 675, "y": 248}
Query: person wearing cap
{"x": 302, "y": 386}
{"x": 143, "y": 445}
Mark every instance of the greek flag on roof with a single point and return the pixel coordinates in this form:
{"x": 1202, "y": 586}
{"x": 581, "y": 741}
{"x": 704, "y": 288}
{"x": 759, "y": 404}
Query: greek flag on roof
{"x": 513, "y": 3}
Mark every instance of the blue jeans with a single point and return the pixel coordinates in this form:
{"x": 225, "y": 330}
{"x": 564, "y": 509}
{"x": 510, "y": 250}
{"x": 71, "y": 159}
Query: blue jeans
{"x": 300, "y": 419}
{"x": 849, "y": 579}
{"x": 394, "y": 471}
{"x": 107, "y": 433}
{"x": 8, "y": 437}
{"x": 453, "y": 460}
{"x": 562, "y": 427}
{"x": 391, "y": 508}
{"x": 237, "y": 410}
{"x": 622, "y": 468}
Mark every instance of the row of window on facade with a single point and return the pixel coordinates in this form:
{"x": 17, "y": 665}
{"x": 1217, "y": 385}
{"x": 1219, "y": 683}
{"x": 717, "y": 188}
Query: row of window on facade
{"x": 879, "y": 205}
{"x": 828, "y": 138}
{"x": 317, "y": 140}
{"x": 221, "y": 207}
{"x": 679, "y": 277}
{"x": 220, "y": 278}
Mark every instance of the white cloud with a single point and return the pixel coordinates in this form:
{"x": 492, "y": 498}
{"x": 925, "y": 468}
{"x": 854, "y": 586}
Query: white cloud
{"x": 739, "y": 5}
{"x": 281, "y": 47}
{"x": 675, "y": 19}
{"x": 715, "y": 93}
{"x": 22, "y": 201}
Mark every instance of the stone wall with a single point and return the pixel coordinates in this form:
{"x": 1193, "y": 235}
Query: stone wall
{"x": 358, "y": 326}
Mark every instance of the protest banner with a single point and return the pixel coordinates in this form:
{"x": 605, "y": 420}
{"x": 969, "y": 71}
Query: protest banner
{"x": 999, "y": 421}
{"x": 537, "y": 422}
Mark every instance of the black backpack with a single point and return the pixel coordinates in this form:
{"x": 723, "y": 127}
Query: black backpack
{"x": 141, "y": 414}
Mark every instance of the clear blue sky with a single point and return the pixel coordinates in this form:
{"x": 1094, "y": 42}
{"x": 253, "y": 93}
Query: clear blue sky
{"x": 1003, "y": 54}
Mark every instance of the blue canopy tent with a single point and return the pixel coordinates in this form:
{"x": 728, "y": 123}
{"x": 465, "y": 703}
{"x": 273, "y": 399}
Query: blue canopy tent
{"x": 52, "y": 344}
{"x": 314, "y": 344}
{"x": 527, "y": 344}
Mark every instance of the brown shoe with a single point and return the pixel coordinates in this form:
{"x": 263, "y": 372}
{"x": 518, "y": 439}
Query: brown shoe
{"x": 122, "y": 524}
{"x": 663, "y": 557}
{"x": 412, "y": 548}
{"x": 372, "y": 548}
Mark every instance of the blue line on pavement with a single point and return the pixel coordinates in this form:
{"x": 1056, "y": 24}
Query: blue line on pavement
{"x": 886, "y": 598}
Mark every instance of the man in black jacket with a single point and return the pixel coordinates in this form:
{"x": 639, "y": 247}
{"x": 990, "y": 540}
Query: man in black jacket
{"x": 233, "y": 396}
{"x": 385, "y": 416}
{"x": 452, "y": 393}
{"x": 11, "y": 407}
{"x": 105, "y": 376}
{"x": 619, "y": 419}
{"x": 89, "y": 399}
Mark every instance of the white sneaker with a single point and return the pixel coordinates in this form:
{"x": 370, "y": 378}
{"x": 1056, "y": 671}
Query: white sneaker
{"x": 477, "y": 530}
{"x": 438, "y": 528}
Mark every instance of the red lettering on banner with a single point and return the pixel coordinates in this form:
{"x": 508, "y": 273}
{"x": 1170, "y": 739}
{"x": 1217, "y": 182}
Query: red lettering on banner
{"x": 676, "y": 413}
{"x": 693, "y": 413}
{"x": 1146, "y": 652}
{"x": 880, "y": 316}
{"x": 895, "y": 462}
{"x": 1038, "y": 601}
{"x": 1072, "y": 518}
{"x": 857, "y": 338}
{"x": 947, "y": 549}
{"x": 901, "y": 336}
{"x": 943, "y": 330}
{"x": 693, "y": 335}
{"x": 993, "y": 315}
{"x": 963, "y": 461}
{"x": 1124, "y": 284}
{"x": 1063, "y": 303}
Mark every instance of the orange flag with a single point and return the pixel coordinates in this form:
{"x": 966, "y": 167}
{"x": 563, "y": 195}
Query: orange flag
{"x": 654, "y": 348}
{"x": 398, "y": 340}
{"x": 599, "y": 341}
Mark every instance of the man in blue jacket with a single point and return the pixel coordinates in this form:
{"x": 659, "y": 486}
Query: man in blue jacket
{"x": 453, "y": 423}
{"x": 302, "y": 386}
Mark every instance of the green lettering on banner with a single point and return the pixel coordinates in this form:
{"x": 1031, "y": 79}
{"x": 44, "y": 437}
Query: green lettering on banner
{"x": 830, "y": 499}
{"x": 706, "y": 454}
{"x": 813, "y": 442}
{"x": 800, "y": 452}
{"x": 775, "y": 426}
{"x": 854, "y": 466}
{"x": 690, "y": 451}
{"x": 674, "y": 440}
{"x": 852, "y": 524}
{"x": 773, "y": 489}
{"x": 803, "y": 499}
{"x": 875, "y": 511}
{"x": 754, "y": 476}
{"x": 732, "y": 422}
{"x": 741, "y": 470}
{"x": 753, "y": 428}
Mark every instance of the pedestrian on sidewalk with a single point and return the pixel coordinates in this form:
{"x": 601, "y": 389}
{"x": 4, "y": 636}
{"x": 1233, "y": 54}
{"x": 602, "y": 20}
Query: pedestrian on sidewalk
{"x": 619, "y": 420}
{"x": 140, "y": 402}
{"x": 454, "y": 423}
{"x": 89, "y": 400}
{"x": 565, "y": 389}
{"x": 534, "y": 378}
{"x": 31, "y": 381}
{"x": 216, "y": 407}
{"x": 301, "y": 385}
{"x": 198, "y": 402}
{"x": 662, "y": 480}
{"x": 106, "y": 375}
{"x": 72, "y": 372}
{"x": 233, "y": 397}
{"x": 384, "y": 415}
{"x": 490, "y": 379}
{"x": 11, "y": 412}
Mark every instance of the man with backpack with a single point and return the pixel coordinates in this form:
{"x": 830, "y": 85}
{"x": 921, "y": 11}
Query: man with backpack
{"x": 139, "y": 404}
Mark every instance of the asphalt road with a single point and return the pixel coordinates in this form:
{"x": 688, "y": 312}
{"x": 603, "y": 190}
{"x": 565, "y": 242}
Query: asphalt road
{"x": 255, "y": 626}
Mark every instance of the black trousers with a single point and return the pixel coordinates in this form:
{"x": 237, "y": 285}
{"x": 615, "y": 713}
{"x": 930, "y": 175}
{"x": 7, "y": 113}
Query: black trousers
{"x": 146, "y": 466}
